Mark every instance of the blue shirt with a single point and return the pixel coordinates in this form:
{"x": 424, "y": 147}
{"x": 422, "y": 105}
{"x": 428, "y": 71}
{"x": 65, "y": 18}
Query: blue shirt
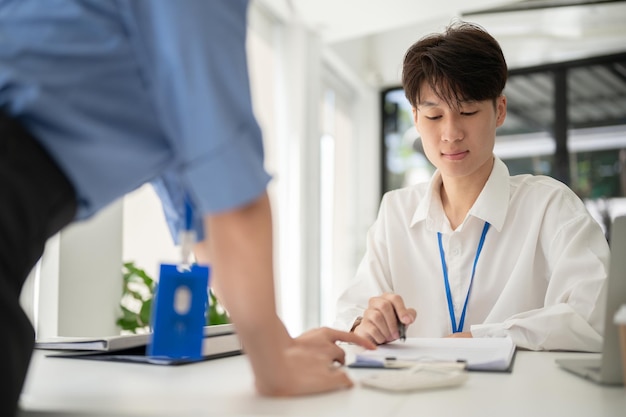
{"x": 125, "y": 92}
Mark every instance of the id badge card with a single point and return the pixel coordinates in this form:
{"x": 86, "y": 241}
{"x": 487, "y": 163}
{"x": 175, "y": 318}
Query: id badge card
{"x": 179, "y": 312}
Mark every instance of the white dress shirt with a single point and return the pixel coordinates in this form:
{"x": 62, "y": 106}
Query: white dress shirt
{"x": 540, "y": 278}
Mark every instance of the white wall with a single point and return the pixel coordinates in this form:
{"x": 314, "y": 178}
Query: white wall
{"x": 378, "y": 58}
{"x": 78, "y": 282}
{"x": 147, "y": 240}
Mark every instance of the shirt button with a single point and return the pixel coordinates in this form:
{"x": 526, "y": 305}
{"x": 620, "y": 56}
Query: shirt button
{"x": 456, "y": 252}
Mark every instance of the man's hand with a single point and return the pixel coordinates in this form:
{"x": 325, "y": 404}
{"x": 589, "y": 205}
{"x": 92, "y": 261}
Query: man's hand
{"x": 311, "y": 364}
{"x": 460, "y": 335}
{"x": 380, "y": 321}
{"x": 325, "y": 340}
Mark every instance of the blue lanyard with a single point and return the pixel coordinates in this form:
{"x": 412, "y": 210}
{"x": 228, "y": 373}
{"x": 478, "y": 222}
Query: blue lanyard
{"x": 458, "y": 329}
{"x": 187, "y": 234}
{"x": 188, "y": 213}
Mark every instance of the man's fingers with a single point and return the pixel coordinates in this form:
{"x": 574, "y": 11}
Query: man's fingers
{"x": 380, "y": 315}
{"x": 391, "y": 307}
{"x": 342, "y": 380}
{"x": 371, "y": 332}
{"x": 408, "y": 315}
{"x": 336, "y": 354}
{"x": 338, "y": 335}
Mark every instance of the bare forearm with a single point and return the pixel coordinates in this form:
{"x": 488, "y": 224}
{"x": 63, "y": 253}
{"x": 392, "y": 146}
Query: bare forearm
{"x": 240, "y": 246}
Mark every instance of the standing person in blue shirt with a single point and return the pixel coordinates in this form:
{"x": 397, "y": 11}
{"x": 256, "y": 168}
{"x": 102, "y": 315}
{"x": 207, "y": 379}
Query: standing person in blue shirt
{"x": 98, "y": 97}
{"x": 476, "y": 252}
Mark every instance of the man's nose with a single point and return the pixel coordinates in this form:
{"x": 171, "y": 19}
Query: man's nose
{"x": 452, "y": 130}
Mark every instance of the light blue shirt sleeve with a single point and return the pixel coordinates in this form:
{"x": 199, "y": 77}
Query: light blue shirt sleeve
{"x": 121, "y": 93}
{"x": 203, "y": 99}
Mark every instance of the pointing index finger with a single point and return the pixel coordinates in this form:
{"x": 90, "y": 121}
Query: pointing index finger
{"x": 342, "y": 336}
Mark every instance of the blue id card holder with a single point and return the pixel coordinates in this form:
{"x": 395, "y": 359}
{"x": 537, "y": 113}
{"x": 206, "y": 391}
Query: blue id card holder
{"x": 179, "y": 311}
{"x": 181, "y": 302}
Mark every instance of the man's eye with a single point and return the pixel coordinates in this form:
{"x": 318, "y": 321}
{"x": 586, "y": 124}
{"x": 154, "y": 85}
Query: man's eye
{"x": 433, "y": 117}
{"x": 469, "y": 113}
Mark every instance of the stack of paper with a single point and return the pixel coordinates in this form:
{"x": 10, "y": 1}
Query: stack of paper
{"x": 219, "y": 341}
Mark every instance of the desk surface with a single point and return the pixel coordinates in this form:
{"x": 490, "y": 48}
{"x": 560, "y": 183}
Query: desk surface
{"x": 224, "y": 387}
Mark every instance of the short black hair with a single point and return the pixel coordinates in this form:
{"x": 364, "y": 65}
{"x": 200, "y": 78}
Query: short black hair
{"x": 464, "y": 63}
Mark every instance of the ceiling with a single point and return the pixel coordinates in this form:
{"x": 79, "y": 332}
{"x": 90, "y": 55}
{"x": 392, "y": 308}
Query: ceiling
{"x": 342, "y": 20}
{"x": 530, "y": 32}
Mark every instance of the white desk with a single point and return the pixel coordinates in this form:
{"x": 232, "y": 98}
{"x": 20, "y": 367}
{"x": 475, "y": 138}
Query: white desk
{"x": 224, "y": 387}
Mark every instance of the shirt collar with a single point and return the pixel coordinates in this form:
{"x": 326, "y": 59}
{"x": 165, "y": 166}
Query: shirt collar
{"x": 425, "y": 209}
{"x": 491, "y": 205}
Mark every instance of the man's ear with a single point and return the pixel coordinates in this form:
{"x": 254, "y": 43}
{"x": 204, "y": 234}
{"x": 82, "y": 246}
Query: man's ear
{"x": 414, "y": 110}
{"x": 500, "y": 110}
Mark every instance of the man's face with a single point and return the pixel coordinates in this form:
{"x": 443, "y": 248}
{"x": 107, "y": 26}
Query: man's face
{"x": 459, "y": 142}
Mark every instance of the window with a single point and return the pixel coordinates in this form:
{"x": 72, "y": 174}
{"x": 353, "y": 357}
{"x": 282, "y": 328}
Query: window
{"x": 565, "y": 120}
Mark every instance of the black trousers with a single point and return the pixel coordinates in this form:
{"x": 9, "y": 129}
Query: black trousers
{"x": 36, "y": 201}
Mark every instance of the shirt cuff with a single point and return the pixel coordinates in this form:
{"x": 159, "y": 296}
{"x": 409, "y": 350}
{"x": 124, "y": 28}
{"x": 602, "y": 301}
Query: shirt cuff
{"x": 229, "y": 178}
{"x": 488, "y": 330}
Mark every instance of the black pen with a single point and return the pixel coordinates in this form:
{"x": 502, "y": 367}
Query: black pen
{"x": 402, "y": 330}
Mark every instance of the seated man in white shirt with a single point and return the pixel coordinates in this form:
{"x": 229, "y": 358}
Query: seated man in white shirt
{"x": 476, "y": 252}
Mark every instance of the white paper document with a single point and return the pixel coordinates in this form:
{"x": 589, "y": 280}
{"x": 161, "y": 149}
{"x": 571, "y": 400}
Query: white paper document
{"x": 479, "y": 354}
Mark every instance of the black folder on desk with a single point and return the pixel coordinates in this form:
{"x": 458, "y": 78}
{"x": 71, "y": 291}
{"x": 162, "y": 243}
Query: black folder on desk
{"x": 219, "y": 341}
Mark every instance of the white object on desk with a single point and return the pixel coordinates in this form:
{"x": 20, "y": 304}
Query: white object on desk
{"x": 419, "y": 377}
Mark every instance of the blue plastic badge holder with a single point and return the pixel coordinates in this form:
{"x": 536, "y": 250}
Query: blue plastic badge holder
{"x": 179, "y": 312}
